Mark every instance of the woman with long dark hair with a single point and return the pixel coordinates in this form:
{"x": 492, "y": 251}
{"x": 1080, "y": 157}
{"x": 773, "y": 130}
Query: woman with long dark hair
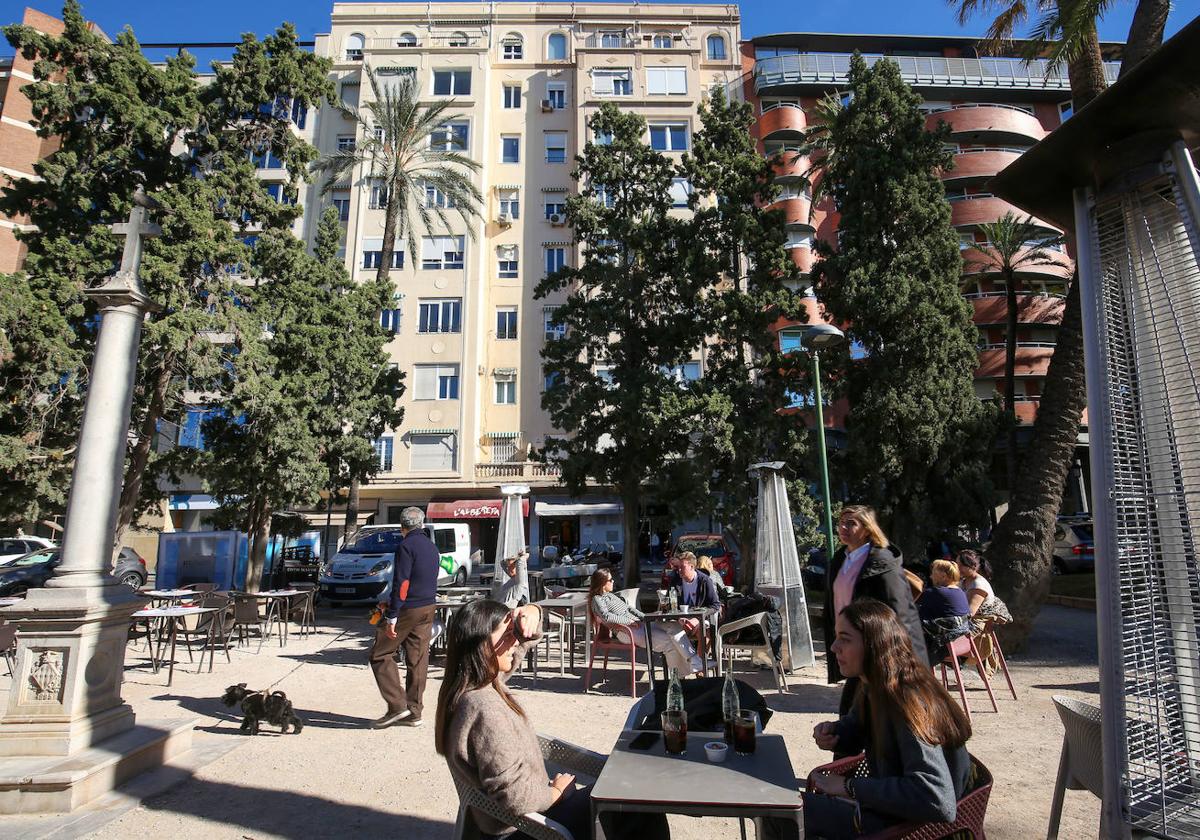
{"x": 485, "y": 735}
{"x": 866, "y": 566}
{"x": 913, "y": 733}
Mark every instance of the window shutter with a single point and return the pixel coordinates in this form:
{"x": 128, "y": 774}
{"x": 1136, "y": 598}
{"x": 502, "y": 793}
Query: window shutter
{"x": 432, "y": 452}
{"x": 425, "y": 382}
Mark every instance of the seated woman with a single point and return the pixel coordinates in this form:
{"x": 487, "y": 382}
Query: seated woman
{"x": 666, "y": 637}
{"x": 514, "y": 590}
{"x": 913, "y": 733}
{"x": 943, "y": 610}
{"x": 486, "y": 737}
{"x": 985, "y": 606}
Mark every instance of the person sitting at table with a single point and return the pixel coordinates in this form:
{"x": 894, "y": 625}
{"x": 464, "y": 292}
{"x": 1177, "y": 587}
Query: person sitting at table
{"x": 488, "y": 740}
{"x": 514, "y": 591}
{"x": 912, "y": 732}
{"x": 696, "y": 588}
{"x": 943, "y": 609}
{"x": 666, "y": 637}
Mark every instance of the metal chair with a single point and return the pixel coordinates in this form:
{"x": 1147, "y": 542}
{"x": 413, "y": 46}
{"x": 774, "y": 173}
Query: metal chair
{"x": 559, "y": 756}
{"x": 758, "y": 620}
{"x": 971, "y": 810}
{"x": 1081, "y": 764}
{"x": 302, "y": 608}
{"x": 965, "y": 646}
{"x": 246, "y": 614}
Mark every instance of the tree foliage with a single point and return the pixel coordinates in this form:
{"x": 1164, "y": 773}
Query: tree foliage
{"x": 917, "y": 435}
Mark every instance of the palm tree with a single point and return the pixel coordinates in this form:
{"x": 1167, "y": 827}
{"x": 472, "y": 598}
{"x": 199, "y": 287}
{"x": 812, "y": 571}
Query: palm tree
{"x": 405, "y": 147}
{"x": 819, "y": 148}
{"x": 1013, "y": 245}
{"x": 1021, "y": 542}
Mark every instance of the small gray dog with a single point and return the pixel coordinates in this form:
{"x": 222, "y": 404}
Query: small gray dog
{"x": 258, "y": 706}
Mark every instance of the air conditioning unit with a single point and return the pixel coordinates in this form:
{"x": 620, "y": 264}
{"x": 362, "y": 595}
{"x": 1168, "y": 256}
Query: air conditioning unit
{"x": 558, "y": 219}
{"x": 504, "y": 219}
{"x": 547, "y": 105}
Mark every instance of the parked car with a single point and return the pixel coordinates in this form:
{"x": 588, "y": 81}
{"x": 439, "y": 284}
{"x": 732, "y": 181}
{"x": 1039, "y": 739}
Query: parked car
{"x": 1074, "y": 547}
{"x": 813, "y": 570}
{"x": 362, "y": 573}
{"x": 32, "y": 570}
{"x": 13, "y": 547}
{"x": 712, "y": 546}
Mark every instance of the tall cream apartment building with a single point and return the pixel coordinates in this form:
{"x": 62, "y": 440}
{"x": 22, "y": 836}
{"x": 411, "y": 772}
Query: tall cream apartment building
{"x": 468, "y": 331}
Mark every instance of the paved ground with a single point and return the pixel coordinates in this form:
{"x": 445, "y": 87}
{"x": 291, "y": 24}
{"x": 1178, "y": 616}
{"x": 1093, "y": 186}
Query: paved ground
{"x": 339, "y": 778}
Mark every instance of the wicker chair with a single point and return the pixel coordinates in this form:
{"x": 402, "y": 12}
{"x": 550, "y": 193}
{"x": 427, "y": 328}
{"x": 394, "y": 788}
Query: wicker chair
{"x": 559, "y": 756}
{"x": 758, "y": 620}
{"x": 1081, "y": 765}
{"x": 968, "y": 822}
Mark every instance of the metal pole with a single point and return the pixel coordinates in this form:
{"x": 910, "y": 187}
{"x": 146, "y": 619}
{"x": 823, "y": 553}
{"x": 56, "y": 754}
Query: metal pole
{"x": 829, "y": 546}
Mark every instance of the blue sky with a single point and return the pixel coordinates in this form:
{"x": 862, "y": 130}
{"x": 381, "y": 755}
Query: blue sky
{"x": 225, "y": 20}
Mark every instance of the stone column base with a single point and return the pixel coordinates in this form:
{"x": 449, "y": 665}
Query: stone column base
{"x": 58, "y": 784}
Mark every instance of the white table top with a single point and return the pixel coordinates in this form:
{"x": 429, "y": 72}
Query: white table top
{"x": 169, "y": 593}
{"x": 577, "y": 599}
{"x": 277, "y": 593}
{"x": 172, "y": 612}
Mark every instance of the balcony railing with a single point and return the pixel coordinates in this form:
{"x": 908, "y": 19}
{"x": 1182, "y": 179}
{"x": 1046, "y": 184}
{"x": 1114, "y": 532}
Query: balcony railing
{"x": 609, "y": 41}
{"x": 518, "y": 469}
{"x": 833, "y": 68}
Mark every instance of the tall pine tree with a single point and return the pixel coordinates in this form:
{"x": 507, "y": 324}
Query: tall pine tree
{"x": 917, "y": 436}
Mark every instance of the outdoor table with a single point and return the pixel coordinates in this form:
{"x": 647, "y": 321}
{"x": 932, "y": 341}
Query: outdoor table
{"x": 274, "y": 610}
{"x": 447, "y": 606}
{"x": 704, "y": 616}
{"x": 169, "y": 596}
{"x": 465, "y": 589}
{"x": 568, "y": 604}
{"x": 173, "y": 614}
{"x": 743, "y": 786}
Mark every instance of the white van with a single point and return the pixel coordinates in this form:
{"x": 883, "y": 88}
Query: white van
{"x": 362, "y": 573}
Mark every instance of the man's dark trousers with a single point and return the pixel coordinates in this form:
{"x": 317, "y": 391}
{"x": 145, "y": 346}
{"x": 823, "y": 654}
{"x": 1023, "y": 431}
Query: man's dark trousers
{"x": 413, "y": 630}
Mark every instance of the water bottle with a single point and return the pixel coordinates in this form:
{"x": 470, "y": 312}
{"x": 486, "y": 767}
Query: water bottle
{"x": 674, "y": 693}
{"x": 674, "y": 598}
{"x": 730, "y": 705}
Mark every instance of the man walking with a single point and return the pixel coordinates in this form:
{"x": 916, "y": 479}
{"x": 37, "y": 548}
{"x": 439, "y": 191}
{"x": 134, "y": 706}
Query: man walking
{"x": 408, "y": 622}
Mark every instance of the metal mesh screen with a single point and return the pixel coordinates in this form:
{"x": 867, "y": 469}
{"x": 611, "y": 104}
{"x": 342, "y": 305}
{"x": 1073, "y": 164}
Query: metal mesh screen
{"x": 1147, "y": 309}
{"x": 777, "y": 564}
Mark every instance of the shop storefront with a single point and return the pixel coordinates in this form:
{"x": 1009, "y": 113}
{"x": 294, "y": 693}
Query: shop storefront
{"x": 483, "y": 517}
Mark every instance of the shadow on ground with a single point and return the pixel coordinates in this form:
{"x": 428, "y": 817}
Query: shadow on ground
{"x": 229, "y": 720}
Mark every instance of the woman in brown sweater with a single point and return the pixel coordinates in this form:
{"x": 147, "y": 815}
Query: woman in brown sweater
{"x": 484, "y": 734}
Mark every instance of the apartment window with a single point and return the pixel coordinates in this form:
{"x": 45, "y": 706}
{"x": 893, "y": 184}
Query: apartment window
{"x": 440, "y": 315}
{"x": 681, "y": 188}
{"x": 607, "y": 251}
{"x": 389, "y": 319}
{"x": 379, "y": 196}
{"x": 603, "y": 196}
{"x": 612, "y": 82}
{"x": 716, "y": 48}
{"x": 556, "y": 95}
{"x": 510, "y": 148}
{"x": 341, "y": 200}
{"x": 1065, "y": 110}
{"x": 550, "y": 378}
{"x": 432, "y": 452}
{"x": 556, "y": 47}
{"x": 669, "y": 137}
{"x": 278, "y": 193}
{"x": 686, "y": 372}
{"x": 391, "y": 78}
{"x": 613, "y": 39}
{"x": 512, "y": 48}
{"x": 506, "y": 387}
{"x": 373, "y": 253}
{"x": 556, "y": 146}
{"x": 442, "y": 252}
{"x": 406, "y": 39}
{"x": 345, "y": 143}
{"x": 556, "y": 258}
{"x": 555, "y": 208}
{"x": 508, "y": 264}
{"x": 510, "y": 203}
{"x": 435, "y": 382}
{"x": 436, "y": 198}
{"x": 605, "y": 374}
{"x": 264, "y": 158}
{"x": 503, "y": 446}
{"x": 506, "y": 323}
{"x": 512, "y": 96}
{"x": 384, "y": 448}
{"x": 451, "y": 136}
{"x": 662, "y": 41}
{"x": 555, "y": 329}
{"x": 459, "y": 39}
{"x": 354, "y": 47}
{"x": 603, "y": 138}
{"x": 452, "y": 82}
{"x": 662, "y": 81}
{"x": 349, "y": 94}
{"x": 798, "y": 239}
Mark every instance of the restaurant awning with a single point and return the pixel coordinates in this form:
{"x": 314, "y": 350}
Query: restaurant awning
{"x": 469, "y": 509}
{"x": 594, "y": 509}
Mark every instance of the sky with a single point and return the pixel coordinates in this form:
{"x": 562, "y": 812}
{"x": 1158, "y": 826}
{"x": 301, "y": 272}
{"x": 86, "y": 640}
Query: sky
{"x": 225, "y": 20}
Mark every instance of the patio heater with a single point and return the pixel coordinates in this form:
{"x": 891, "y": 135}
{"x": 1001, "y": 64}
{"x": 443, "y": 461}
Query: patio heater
{"x": 1120, "y": 173}
{"x": 777, "y": 565}
{"x": 511, "y": 539}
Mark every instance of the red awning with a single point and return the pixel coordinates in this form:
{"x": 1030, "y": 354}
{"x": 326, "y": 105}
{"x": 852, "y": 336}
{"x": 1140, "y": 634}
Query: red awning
{"x": 469, "y": 509}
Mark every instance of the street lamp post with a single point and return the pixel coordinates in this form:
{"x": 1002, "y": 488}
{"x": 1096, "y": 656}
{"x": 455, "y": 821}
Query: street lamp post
{"x": 815, "y": 339}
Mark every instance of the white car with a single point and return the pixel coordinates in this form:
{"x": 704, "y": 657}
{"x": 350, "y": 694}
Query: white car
{"x": 13, "y": 547}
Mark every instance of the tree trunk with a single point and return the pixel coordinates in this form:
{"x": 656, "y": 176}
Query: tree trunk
{"x": 1145, "y": 32}
{"x": 1010, "y": 379}
{"x": 260, "y": 533}
{"x": 139, "y": 456}
{"x": 630, "y": 503}
{"x": 747, "y": 540}
{"x": 1022, "y": 541}
{"x": 1086, "y": 71}
{"x": 351, "y": 512}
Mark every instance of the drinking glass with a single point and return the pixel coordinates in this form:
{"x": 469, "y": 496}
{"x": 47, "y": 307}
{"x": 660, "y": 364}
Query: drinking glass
{"x": 745, "y": 724}
{"x": 674, "y": 726}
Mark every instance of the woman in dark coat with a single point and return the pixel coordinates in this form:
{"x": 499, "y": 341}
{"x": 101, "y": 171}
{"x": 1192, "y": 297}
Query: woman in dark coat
{"x": 866, "y": 566}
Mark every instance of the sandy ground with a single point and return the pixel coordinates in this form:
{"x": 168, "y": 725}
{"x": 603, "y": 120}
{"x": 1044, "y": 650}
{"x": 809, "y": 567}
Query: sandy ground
{"x": 340, "y": 779}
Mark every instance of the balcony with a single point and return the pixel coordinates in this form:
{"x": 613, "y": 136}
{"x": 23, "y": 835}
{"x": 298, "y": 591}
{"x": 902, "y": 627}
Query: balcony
{"x": 1032, "y": 309}
{"x": 528, "y": 470}
{"x": 985, "y": 207}
{"x": 991, "y": 124}
{"x": 609, "y": 41}
{"x": 1031, "y": 361}
{"x": 979, "y": 164}
{"x": 785, "y": 122}
{"x": 824, "y": 69}
{"x": 1058, "y": 268}
{"x": 803, "y": 259}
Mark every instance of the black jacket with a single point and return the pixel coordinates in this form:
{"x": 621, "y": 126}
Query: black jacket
{"x": 882, "y": 579}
